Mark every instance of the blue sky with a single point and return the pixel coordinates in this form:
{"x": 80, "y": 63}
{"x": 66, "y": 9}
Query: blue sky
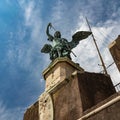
{"x": 22, "y": 35}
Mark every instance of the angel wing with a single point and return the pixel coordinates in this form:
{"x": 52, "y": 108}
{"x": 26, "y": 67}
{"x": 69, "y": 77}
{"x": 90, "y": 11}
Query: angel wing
{"x": 78, "y": 36}
{"x": 46, "y": 48}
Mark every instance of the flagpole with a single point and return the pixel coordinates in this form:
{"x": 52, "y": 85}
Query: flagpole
{"x": 101, "y": 59}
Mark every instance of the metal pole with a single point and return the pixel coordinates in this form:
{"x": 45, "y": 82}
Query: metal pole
{"x": 104, "y": 67}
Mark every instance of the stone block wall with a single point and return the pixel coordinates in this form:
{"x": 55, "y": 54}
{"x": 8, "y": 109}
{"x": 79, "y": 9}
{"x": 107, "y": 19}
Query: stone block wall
{"x": 81, "y": 92}
{"x": 108, "y": 109}
{"x": 94, "y": 88}
{"x": 32, "y": 112}
{"x": 114, "y": 48}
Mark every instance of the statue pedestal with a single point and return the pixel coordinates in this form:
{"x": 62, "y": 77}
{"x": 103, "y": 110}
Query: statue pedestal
{"x": 59, "y": 70}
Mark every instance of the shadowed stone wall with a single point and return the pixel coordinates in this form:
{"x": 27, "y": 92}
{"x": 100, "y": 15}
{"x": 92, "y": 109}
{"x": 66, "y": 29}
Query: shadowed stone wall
{"x": 32, "y": 112}
{"x": 94, "y": 88}
{"x": 108, "y": 109}
{"x": 81, "y": 92}
{"x": 114, "y": 48}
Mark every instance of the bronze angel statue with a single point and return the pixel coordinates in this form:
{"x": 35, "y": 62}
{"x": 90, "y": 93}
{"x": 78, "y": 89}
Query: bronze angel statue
{"x": 60, "y": 46}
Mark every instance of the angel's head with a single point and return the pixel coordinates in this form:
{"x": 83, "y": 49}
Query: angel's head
{"x": 57, "y": 34}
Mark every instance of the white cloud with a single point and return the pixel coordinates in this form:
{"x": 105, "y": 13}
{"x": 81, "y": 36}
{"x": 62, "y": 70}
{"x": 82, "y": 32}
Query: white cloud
{"x": 2, "y": 111}
{"x": 58, "y": 11}
{"x": 68, "y": 19}
{"x": 28, "y": 12}
{"x": 23, "y": 52}
{"x": 87, "y": 54}
{"x": 32, "y": 17}
{"x": 105, "y": 30}
{"x": 10, "y": 114}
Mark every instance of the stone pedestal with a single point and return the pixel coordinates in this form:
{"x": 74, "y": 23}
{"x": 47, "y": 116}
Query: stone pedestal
{"x": 70, "y": 91}
{"x": 59, "y": 70}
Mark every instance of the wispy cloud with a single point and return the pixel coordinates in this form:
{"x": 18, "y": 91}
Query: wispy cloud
{"x": 10, "y": 114}
{"x": 28, "y": 13}
{"x": 23, "y": 57}
{"x": 28, "y": 36}
{"x": 58, "y": 11}
{"x": 32, "y": 17}
{"x": 104, "y": 34}
{"x": 105, "y": 23}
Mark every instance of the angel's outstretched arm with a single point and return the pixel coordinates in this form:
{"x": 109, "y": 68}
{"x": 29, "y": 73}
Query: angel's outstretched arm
{"x": 50, "y": 37}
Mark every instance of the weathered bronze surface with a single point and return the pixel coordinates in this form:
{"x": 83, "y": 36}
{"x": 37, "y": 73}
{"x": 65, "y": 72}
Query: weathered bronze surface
{"x": 60, "y": 46}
